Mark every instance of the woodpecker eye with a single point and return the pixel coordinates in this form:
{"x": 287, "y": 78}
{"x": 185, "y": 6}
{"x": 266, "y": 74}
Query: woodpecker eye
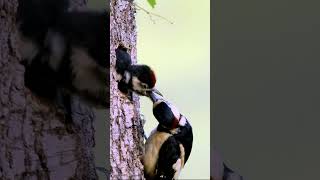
{"x": 144, "y": 86}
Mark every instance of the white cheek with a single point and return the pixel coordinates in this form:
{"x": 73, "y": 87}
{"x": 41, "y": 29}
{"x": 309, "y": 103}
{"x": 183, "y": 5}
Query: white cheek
{"x": 176, "y": 113}
{"x": 174, "y": 110}
{"x": 183, "y": 121}
{"x": 135, "y": 84}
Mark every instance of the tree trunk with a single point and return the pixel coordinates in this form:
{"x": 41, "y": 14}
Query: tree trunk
{"x": 34, "y": 141}
{"x": 126, "y": 137}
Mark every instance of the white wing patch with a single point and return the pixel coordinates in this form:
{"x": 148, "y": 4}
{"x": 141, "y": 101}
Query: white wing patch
{"x": 179, "y": 163}
{"x": 176, "y": 113}
{"x": 177, "y": 168}
{"x": 174, "y": 110}
{"x": 183, "y": 121}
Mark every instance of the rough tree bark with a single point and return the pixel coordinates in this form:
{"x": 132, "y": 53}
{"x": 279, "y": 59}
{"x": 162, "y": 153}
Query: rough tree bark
{"x": 34, "y": 142}
{"x": 126, "y": 137}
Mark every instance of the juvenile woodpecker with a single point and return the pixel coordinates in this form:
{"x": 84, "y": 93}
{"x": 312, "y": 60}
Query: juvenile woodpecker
{"x": 137, "y": 78}
{"x": 169, "y": 146}
{"x": 64, "y": 51}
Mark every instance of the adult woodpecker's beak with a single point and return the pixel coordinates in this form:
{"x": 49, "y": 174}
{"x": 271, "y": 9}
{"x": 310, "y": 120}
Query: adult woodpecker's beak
{"x": 154, "y": 90}
{"x": 155, "y": 95}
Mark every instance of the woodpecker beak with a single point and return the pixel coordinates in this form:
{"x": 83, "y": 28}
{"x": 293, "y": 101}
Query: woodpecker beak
{"x": 154, "y": 90}
{"x": 155, "y": 95}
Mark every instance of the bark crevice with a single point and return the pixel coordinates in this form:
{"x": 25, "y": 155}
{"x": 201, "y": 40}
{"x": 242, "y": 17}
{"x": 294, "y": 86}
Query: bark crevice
{"x": 34, "y": 141}
{"x": 126, "y": 137}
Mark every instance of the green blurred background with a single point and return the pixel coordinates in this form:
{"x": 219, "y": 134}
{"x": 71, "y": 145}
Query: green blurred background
{"x": 180, "y": 55}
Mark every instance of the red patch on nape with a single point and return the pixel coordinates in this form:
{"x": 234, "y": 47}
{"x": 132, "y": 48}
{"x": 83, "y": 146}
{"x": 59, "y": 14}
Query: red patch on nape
{"x": 175, "y": 123}
{"x": 153, "y": 78}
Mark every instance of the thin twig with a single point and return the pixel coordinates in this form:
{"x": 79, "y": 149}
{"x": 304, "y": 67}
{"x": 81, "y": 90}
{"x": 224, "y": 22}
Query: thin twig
{"x": 152, "y": 14}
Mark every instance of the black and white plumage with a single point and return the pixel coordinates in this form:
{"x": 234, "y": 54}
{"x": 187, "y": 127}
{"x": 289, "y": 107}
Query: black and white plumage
{"x": 64, "y": 51}
{"x": 169, "y": 146}
{"x": 137, "y": 78}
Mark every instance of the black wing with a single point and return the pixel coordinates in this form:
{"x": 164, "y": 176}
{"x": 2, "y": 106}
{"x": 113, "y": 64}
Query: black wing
{"x": 168, "y": 155}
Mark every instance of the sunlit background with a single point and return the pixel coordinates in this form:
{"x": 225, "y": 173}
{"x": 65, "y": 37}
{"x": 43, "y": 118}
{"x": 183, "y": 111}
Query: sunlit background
{"x": 180, "y": 55}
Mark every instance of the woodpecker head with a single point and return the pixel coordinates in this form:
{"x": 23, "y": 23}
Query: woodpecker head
{"x": 140, "y": 79}
{"x": 166, "y": 113}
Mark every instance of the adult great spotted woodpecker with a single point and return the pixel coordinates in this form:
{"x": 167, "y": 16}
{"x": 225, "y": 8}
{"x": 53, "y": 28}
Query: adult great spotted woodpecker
{"x": 169, "y": 146}
{"x": 64, "y": 52}
{"x": 137, "y": 78}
